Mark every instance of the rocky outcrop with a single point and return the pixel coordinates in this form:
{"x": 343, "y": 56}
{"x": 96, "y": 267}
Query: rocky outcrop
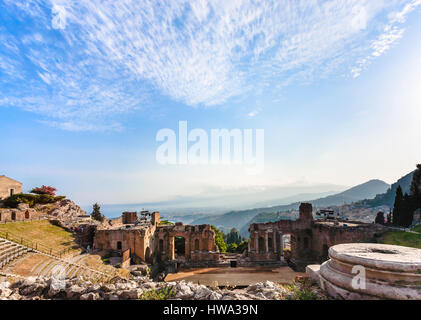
{"x": 40, "y": 288}
{"x": 64, "y": 210}
{"x": 67, "y": 209}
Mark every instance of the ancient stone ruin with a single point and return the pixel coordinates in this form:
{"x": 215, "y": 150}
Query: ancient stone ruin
{"x": 309, "y": 239}
{"x": 147, "y": 240}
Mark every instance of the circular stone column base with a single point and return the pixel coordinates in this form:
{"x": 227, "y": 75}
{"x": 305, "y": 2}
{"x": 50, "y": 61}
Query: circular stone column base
{"x": 372, "y": 271}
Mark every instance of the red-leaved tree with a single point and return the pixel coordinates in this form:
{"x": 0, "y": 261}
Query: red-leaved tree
{"x": 45, "y": 190}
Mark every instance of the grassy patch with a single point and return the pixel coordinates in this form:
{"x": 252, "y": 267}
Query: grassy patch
{"x": 401, "y": 238}
{"x": 303, "y": 290}
{"x": 417, "y": 228}
{"x": 42, "y": 232}
{"x": 162, "y": 293}
{"x": 94, "y": 261}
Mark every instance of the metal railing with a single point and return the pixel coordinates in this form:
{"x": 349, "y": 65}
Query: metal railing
{"x": 25, "y": 220}
{"x": 33, "y": 245}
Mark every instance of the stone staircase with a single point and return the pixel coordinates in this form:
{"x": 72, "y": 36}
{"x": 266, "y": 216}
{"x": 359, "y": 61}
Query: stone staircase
{"x": 10, "y": 251}
{"x": 69, "y": 268}
{"x": 53, "y": 266}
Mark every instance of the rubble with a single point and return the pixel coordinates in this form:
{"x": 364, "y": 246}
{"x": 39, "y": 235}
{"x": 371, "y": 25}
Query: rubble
{"x": 41, "y": 288}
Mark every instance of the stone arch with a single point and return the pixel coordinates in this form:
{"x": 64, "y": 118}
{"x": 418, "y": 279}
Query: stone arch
{"x": 147, "y": 254}
{"x": 270, "y": 244}
{"x": 285, "y": 242}
{"x": 180, "y": 246}
{"x": 119, "y": 245}
{"x": 306, "y": 243}
{"x": 27, "y": 216}
{"x": 13, "y": 216}
{"x": 196, "y": 245}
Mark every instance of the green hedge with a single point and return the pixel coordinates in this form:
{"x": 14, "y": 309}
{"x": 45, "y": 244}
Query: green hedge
{"x": 30, "y": 199}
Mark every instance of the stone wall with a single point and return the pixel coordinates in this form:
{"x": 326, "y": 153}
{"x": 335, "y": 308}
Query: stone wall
{"x": 139, "y": 241}
{"x": 21, "y": 213}
{"x": 199, "y": 242}
{"x": 129, "y": 217}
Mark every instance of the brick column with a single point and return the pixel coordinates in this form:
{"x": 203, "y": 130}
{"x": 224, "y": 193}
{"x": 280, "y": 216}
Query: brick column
{"x": 281, "y": 244}
{"x": 171, "y": 245}
{"x": 274, "y": 235}
{"x": 267, "y": 241}
{"x": 187, "y": 248}
{"x": 256, "y": 239}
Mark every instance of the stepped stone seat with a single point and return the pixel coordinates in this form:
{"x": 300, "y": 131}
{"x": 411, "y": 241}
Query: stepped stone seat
{"x": 10, "y": 251}
{"x": 51, "y": 266}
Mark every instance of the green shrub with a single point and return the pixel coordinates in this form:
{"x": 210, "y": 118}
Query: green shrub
{"x": 232, "y": 247}
{"x": 30, "y": 199}
{"x": 417, "y": 228}
{"x": 243, "y": 246}
{"x": 219, "y": 239}
{"x": 301, "y": 291}
{"x": 162, "y": 293}
{"x": 166, "y": 223}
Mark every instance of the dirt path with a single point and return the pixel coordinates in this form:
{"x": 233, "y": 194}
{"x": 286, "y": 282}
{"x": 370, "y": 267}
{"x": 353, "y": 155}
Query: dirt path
{"x": 235, "y": 276}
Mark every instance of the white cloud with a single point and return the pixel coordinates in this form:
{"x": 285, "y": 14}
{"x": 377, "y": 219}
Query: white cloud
{"x": 392, "y": 32}
{"x": 59, "y": 17}
{"x": 114, "y": 53}
{"x": 254, "y": 113}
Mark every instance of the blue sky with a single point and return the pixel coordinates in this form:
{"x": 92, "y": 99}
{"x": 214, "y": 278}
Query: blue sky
{"x": 86, "y": 85}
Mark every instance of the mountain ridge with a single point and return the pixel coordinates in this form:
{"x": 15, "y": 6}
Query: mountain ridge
{"x": 238, "y": 218}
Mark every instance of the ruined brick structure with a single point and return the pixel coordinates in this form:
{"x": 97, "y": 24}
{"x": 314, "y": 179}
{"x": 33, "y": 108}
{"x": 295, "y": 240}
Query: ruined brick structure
{"x": 310, "y": 239}
{"x": 21, "y": 213}
{"x": 149, "y": 241}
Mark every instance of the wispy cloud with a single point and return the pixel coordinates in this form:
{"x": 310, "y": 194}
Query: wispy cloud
{"x": 392, "y": 32}
{"x": 254, "y": 113}
{"x": 101, "y": 58}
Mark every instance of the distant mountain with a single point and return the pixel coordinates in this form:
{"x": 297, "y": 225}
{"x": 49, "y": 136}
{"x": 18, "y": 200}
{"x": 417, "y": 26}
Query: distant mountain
{"x": 293, "y": 199}
{"x": 366, "y": 190}
{"x": 388, "y": 198}
{"x": 240, "y": 218}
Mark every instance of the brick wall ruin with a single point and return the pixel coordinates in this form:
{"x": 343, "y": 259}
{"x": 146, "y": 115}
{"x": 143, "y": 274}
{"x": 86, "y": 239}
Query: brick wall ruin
{"x": 21, "y": 213}
{"x": 148, "y": 240}
{"x": 310, "y": 239}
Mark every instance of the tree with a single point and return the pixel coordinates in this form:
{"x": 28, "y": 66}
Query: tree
{"x": 44, "y": 190}
{"x": 379, "y": 218}
{"x": 232, "y": 247}
{"x": 243, "y": 246}
{"x": 407, "y": 210}
{"x": 219, "y": 239}
{"x": 389, "y": 218}
{"x": 96, "y": 212}
{"x": 233, "y": 237}
{"x": 416, "y": 181}
{"x": 397, "y": 208}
